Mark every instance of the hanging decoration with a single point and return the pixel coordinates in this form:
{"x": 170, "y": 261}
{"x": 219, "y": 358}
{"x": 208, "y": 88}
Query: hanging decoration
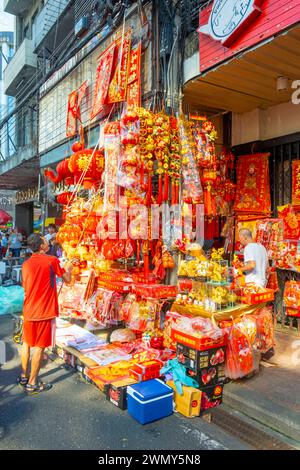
{"x": 134, "y": 78}
{"x": 73, "y": 114}
{"x": 103, "y": 77}
{"x": 63, "y": 173}
{"x": 118, "y": 85}
{"x": 296, "y": 185}
{"x": 86, "y": 163}
{"x": 253, "y": 185}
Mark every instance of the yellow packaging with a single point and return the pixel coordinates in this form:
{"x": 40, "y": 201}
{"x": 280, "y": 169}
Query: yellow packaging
{"x": 188, "y": 404}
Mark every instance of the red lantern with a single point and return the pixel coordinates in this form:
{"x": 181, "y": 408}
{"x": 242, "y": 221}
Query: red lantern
{"x": 65, "y": 198}
{"x": 88, "y": 162}
{"x": 63, "y": 173}
{"x": 77, "y": 146}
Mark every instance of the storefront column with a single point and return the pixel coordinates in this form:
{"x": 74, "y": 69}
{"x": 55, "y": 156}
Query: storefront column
{"x": 24, "y": 217}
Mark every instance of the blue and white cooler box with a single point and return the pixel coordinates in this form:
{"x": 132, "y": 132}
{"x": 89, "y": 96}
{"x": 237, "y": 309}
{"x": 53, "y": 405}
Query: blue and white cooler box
{"x": 149, "y": 401}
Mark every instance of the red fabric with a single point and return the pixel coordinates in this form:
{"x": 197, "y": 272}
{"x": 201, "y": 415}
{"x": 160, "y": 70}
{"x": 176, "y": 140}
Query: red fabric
{"x": 296, "y": 184}
{"x": 253, "y": 195}
{"x": 39, "y": 282}
{"x": 39, "y": 333}
{"x": 118, "y": 86}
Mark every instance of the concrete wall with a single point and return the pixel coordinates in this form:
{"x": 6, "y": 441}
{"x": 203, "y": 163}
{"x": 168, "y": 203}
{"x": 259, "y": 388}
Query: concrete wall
{"x": 260, "y": 124}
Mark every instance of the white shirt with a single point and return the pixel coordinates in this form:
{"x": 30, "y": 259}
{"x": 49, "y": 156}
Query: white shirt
{"x": 49, "y": 237}
{"x": 257, "y": 252}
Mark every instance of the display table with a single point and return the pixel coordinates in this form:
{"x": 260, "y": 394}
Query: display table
{"x": 227, "y": 314}
{"x": 86, "y": 361}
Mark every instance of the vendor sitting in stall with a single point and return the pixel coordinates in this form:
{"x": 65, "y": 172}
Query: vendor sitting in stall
{"x": 255, "y": 259}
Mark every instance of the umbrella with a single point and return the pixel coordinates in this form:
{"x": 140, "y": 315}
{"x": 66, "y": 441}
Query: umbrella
{"x": 4, "y": 217}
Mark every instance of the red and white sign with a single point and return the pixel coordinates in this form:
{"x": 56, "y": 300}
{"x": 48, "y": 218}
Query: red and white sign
{"x": 276, "y": 17}
{"x": 229, "y": 18}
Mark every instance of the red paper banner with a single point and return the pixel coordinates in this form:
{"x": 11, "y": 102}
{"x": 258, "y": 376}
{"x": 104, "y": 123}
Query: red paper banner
{"x": 253, "y": 185}
{"x": 296, "y": 184}
{"x": 134, "y": 79}
{"x": 118, "y": 87}
{"x": 74, "y": 102}
{"x": 103, "y": 76}
{"x": 291, "y": 222}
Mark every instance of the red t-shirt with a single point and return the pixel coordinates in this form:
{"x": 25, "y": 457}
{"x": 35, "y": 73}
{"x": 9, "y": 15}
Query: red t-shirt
{"x": 39, "y": 282}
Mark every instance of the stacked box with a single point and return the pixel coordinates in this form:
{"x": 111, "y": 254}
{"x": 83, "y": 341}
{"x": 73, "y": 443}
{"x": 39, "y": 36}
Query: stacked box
{"x": 206, "y": 367}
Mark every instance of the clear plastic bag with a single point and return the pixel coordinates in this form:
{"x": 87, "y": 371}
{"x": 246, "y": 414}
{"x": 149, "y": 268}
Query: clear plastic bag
{"x": 11, "y": 300}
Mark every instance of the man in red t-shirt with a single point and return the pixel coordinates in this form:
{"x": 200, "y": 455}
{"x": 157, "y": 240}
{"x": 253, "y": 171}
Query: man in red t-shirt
{"x": 40, "y": 309}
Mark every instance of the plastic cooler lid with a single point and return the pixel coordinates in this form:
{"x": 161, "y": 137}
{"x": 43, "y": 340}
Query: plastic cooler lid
{"x": 149, "y": 390}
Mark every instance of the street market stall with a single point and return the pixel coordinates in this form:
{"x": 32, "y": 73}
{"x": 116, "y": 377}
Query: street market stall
{"x": 138, "y": 208}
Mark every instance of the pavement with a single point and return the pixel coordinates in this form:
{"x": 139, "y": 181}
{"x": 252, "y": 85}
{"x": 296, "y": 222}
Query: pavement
{"x": 272, "y": 397}
{"x": 76, "y": 415}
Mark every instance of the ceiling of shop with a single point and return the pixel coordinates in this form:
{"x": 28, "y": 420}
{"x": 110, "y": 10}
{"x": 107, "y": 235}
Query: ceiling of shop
{"x": 23, "y": 176}
{"x": 249, "y": 81}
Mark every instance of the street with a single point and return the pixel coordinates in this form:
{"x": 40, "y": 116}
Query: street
{"x": 76, "y": 415}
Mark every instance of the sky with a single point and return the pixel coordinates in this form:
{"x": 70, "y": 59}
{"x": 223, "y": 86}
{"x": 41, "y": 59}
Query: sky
{"x": 6, "y": 20}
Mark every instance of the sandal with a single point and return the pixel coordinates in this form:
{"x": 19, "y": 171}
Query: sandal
{"x": 39, "y": 387}
{"x": 22, "y": 381}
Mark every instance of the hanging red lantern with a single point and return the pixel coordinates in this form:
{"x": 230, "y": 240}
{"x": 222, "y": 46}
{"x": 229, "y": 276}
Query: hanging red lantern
{"x": 65, "y": 198}
{"x": 88, "y": 162}
{"x": 63, "y": 173}
{"x": 77, "y": 146}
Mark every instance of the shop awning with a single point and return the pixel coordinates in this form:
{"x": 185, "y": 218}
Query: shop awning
{"x": 249, "y": 81}
{"x": 25, "y": 175}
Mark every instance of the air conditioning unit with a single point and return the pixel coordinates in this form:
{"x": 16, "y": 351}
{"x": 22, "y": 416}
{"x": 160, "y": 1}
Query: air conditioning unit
{"x": 82, "y": 26}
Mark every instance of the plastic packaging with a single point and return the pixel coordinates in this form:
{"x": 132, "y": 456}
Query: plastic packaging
{"x": 11, "y": 300}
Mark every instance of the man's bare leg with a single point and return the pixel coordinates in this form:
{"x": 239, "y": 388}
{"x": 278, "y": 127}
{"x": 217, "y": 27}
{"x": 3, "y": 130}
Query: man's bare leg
{"x": 36, "y": 363}
{"x": 25, "y": 358}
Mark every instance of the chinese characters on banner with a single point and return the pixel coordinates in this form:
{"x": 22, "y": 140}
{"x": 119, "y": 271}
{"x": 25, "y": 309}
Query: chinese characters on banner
{"x": 73, "y": 115}
{"x": 118, "y": 78}
{"x": 253, "y": 185}
{"x": 118, "y": 86}
{"x": 134, "y": 79}
{"x": 296, "y": 184}
{"x": 103, "y": 76}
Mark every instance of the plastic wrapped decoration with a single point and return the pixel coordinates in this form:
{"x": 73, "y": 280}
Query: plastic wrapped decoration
{"x": 124, "y": 335}
{"x": 143, "y": 315}
{"x": 106, "y": 311}
{"x": 129, "y": 159}
{"x": 112, "y": 146}
{"x": 240, "y": 356}
{"x": 265, "y": 330}
{"x": 191, "y": 187}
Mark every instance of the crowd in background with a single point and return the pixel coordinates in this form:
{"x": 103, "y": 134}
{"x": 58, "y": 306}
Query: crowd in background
{"x": 13, "y": 242}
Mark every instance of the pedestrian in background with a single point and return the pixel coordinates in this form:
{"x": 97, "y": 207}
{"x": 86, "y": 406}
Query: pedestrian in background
{"x": 15, "y": 243}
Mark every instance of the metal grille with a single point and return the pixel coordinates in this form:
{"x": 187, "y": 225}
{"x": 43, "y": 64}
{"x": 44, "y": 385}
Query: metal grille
{"x": 190, "y": 10}
{"x": 281, "y": 172}
{"x": 82, "y": 8}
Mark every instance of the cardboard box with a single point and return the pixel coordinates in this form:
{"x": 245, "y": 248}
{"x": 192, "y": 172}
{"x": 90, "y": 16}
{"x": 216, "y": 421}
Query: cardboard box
{"x": 211, "y": 397}
{"x": 188, "y": 404}
{"x": 206, "y": 367}
{"x": 116, "y": 392}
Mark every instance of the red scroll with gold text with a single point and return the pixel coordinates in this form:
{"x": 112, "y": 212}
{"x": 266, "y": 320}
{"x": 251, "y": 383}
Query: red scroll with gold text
{"x": 134, "y": 78}
{"x": 296, "y": 185}
{"x": 103, "y": 76}
{"x": 118, "y": 87}
{"x": 74, "y": 102}
{"x": 253, "y": 185}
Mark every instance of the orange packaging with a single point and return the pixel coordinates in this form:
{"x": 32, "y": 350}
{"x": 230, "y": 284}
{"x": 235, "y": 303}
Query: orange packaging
{"x": 201, "y": 344}
{"x": 155, "y": 291}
